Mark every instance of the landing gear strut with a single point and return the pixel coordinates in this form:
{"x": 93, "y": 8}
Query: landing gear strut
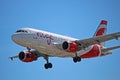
{"x": 28, "y": 49}
{"x": 47, "y": 65}
{"x": 76, "y": 58}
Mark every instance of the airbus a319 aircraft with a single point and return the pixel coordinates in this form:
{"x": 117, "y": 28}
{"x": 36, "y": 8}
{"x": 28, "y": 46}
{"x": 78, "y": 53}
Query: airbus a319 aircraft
{"x": 40, "y": 43}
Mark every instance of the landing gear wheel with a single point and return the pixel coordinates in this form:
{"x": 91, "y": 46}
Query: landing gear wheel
{"x": 48, "y": 65}
{"x": 76, "y": 59}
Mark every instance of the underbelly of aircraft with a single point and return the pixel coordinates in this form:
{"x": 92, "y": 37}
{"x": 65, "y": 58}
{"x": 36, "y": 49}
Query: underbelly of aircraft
{"x": 52, "y": 51}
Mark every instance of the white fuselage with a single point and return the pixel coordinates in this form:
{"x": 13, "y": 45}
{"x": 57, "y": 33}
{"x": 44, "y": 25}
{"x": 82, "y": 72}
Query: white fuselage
{"x": 44, "y": 42}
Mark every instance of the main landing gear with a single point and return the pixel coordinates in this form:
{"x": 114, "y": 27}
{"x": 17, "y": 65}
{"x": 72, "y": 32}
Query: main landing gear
{"x": 47, "y": 65}
{"x": 76, "y": 58}
{"x": 28, "y": 49}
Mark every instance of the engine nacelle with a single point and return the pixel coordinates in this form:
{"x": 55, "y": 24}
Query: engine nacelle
{"x": 27, "y": 56}
{"x": 70, "y": 46}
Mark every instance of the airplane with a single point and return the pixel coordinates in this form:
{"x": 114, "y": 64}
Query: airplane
{"x": 45, "y": 44}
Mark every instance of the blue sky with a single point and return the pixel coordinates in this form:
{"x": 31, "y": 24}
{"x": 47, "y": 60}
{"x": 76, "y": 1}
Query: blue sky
{"x": 75, "y": 18}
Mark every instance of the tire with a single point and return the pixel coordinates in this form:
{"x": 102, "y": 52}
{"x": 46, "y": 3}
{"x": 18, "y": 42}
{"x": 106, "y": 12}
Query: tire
{"x": 50, "y": 65}
{"x": 75, "y": 59}
{"x": 46, "y": 66}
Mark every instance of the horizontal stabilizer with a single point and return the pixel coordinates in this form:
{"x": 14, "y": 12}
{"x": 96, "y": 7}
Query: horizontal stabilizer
{"x": 111, "y": 48}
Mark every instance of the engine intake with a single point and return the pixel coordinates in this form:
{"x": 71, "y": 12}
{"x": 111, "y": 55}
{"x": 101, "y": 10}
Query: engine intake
{"x": 70, "y": 46}
{"x": 27, "y": 56}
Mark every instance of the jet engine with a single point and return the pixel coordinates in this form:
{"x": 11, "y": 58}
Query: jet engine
{"x": 70, "y": 46}
{"x": 27, "y": 56}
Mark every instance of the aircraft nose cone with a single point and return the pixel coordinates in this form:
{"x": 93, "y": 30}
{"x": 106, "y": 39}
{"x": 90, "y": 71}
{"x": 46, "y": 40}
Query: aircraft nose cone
{"x": 19, "y": 39}
{"x": 14, "y": 37}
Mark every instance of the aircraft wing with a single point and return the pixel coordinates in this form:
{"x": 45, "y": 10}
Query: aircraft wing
{"x": 37, "y": 53}
{"x": 96, "y": 40}
{"x": 13, "y": 57}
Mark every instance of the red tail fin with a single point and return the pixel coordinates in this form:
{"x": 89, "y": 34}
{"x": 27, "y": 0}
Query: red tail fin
{"x": 101, "y": 30}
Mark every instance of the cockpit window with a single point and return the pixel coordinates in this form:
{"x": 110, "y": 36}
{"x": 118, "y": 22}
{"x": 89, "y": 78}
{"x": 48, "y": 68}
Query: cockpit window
{"x": 21, "y": 31}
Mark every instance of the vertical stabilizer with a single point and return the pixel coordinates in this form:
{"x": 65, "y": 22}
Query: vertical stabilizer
{"x": 101, "y": 30}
